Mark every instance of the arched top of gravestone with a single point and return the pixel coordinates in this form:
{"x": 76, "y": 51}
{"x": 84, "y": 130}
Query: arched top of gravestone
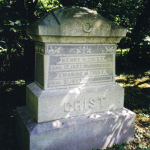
{"x": 74, "y": 22}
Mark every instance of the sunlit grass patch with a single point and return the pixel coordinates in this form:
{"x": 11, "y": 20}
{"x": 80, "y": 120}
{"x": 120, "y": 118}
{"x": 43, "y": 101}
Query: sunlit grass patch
{"x": 131, "y": 80}
{"x": 137, "y": 98}
{"x": 9, "y": 83}
{"x": 122, "y": 52}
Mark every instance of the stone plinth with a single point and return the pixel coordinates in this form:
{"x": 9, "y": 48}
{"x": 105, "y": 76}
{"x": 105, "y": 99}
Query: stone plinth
{"x": 47, "y": 105}
{"x": 97, "y": 130}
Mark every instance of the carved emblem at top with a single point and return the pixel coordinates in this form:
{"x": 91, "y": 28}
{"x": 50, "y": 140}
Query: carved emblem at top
{"x": 87, "y": 26}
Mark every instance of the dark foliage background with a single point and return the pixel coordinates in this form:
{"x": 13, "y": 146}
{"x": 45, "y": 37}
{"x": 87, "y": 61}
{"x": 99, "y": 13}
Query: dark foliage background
{"x": 17, "y": 51}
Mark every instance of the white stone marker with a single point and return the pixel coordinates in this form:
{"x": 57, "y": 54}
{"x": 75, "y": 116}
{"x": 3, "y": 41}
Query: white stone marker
{"x": 74, "y": 80}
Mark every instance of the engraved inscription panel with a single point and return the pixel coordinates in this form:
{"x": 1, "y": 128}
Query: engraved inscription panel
{"x": 73, "y": 64}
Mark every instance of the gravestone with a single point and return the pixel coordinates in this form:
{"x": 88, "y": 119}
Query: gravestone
{"x": 74, "y": 102}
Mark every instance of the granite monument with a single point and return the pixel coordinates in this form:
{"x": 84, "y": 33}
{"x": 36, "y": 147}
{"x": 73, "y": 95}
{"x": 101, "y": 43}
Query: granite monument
{"x": 74, "y": 102}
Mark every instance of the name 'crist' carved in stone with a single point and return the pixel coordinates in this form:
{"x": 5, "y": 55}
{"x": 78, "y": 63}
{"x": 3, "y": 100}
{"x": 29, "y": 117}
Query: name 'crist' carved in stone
{"x": 85, "y": 104}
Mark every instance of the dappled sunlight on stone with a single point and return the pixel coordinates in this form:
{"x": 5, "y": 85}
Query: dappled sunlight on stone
{"x": 66, "y": 101}
{"x": 74, "y": 103}
{"x": 110, "y": 112}
{"x": 57, "y": 124}
{"x": 94, "y": 116}
{"x": 68, "y": 115}
{"x": 75, "y": 91}
{"x": 112, "y": 107}
{"x": 124, "y": 112}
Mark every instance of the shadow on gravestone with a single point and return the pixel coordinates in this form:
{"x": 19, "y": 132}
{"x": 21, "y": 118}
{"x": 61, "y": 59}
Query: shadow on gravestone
{"x": 74, "y": 102}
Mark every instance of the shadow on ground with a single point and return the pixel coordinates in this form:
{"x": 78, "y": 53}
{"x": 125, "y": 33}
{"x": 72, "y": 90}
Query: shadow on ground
{"x": 12, "y": 96}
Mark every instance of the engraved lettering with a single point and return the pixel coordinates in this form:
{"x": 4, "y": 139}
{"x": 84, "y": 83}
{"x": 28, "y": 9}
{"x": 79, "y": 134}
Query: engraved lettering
{"x": 92, "y": 103}
{"x": 79, "y": 66}
{"x": 71, "y": 74}
{"x": 73, "y": 64}
{"x": 87, "y": 27}
{"x": 75, "y": 81}
{"x": 98, "y": 72}
{"x": 85, "y": 104}
{"x": 100, "y": 101}
{"x": 77, "y": 105}
{"x": 92, "y": 59}
{"x": 67, "y": 107}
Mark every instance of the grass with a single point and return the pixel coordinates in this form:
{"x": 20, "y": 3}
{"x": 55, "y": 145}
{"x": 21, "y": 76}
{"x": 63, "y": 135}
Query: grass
{"x": 137, "y": 98}
{"x": 124, "y": 52}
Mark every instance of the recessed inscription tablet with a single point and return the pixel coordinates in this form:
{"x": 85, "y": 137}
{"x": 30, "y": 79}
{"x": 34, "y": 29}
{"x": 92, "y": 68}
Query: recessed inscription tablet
{"x": 76, "y": 64}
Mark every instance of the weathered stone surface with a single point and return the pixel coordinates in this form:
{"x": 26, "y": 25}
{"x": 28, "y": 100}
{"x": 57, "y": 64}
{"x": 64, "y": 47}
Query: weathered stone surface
{"x": 73, "y": 65}
{"x": 98, "y": 130}
{"x": 63, "y": 103}
{"x": 74, "y": 97}
{"x": 75, "y": 25}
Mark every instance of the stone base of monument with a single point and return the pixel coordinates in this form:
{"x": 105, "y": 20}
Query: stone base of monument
{"x": 97, "y": 130}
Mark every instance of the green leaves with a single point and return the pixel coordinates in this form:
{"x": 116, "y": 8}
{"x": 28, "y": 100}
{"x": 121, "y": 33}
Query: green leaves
{"x": 18, "y": 22}
{"x": 11, "y": 23}
{"x": 15, "y": 25}
{"x": 13, "y": 29}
